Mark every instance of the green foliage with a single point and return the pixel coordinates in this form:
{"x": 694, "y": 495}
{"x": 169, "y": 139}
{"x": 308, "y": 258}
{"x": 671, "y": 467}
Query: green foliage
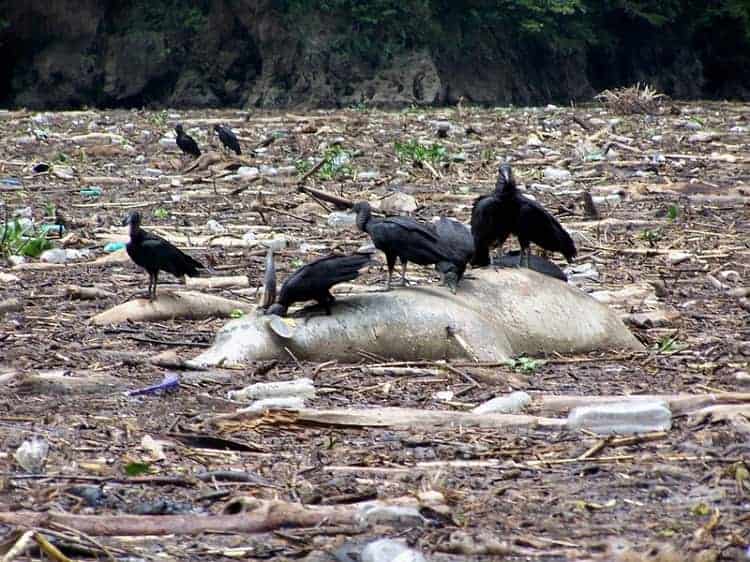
{"x": 673, "y": 212}
{"x": 652, "y": 237}
{"x": 137, "y": 468}
{"x": 159, "y": 118}
{"x": 170, "y": 16}
{"x": 19, "y": 241}
{"x": 669, "y": 345}
{"x": 160, "y": 213}
{"x": 415, "y": 152}
{"x": 337, "y": 164}
{"x": 525, "y": 364}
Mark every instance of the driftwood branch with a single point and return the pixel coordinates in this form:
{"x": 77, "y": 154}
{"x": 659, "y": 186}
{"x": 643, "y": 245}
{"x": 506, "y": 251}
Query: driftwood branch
{"x": 426, "y": 420}
{"x": 325, "y": 196}
{"x": 263, "y": 516}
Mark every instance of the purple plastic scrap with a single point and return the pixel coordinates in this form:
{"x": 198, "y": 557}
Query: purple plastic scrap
{"x": 170, "y": 381}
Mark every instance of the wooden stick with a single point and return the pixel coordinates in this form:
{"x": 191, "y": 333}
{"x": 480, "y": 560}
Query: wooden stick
{"x": 325, "y": 196}
{"x": 262, "y": 516}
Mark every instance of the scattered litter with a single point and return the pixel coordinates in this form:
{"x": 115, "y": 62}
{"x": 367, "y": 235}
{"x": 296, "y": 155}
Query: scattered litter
{"x": 59, "y": 255}
{"x": 169, "y": 382}
{"x": 368, "y": 175}
{"x": 341, "y": 219}
{"x": 390, "y": 550}
{"x": 32, "y": 454}
{"x": 277, "y": 403}
{"x": 91, "y": 192}
{"x": 248, "y": 172}
{"x": 114, "y": 246}
{"x": 622, "y": 417}
{"x": 398, "y": 516}
{"x": 510, "y": 404}
{"x": 556, "y": 174}
{"x": 298, "y": 388}
{"x": 214, "y": 227}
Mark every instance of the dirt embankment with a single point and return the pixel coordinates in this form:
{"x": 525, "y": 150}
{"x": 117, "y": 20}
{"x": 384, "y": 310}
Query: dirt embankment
{"x": 248, "y": 53}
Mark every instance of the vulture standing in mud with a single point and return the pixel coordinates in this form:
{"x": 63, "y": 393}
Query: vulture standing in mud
{"x": 506, "y": 212}
{"x": 314, "y": 281}
{"x": 403, "y": 238}
{"x": 228, "y": 138}
{"x": 186, "y": 143}
{"x": 153, "y": 253}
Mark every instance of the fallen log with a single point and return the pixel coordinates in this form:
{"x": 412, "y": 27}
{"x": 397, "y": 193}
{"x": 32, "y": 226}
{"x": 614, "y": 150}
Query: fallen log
{"x": 181, "y": 304}
{"x": 262, "y": 516}
{"x": 404, "y": 418}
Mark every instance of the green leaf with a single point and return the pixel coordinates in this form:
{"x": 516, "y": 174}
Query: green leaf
{"x": 236, "y": 313}
{"x": 137, "y": 468}
{"x": 672, "y": 212}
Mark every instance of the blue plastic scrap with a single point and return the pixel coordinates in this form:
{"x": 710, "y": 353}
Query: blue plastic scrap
{"x": 169, "y": 382}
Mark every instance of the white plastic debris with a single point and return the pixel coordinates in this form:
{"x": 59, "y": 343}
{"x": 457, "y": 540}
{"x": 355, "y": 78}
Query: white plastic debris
{"x": 368, "y": 175}
{"x": 341, "y": 220}
{"x": 635, "y": 416}
{"x": 25, "y": 212}
{"x": 390, "y": 550}
{"x": 676, "y": 258}
{"x": 738, "y": 130}
{"x": 287, "y": 170}
{"x": 276, "y": 243}
{"x": 510, "y": 404}
{"x": 58, "y": 255}
{"x": 249, "y": 238}
{"x": 556, "y": 174}
{"x": 215, "y": 227}
{"x": 247, "y": 171}
{"x": 268, "y": 170}
{"x": 297, "y": 388}
{"x": 278, "y": 403}
{"x": 32, "y": 454}
{"x": 583, "y": 272}
{"x": 703, "y": 136}
{"x": 168, "y": 141}
{"x": 16, "y": 260}
{"x": 152, "y": 172}
{"x": 444, "y": 395}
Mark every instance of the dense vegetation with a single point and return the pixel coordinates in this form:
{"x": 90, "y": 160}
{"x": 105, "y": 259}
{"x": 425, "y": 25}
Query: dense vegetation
{"x": 623, "y": 40}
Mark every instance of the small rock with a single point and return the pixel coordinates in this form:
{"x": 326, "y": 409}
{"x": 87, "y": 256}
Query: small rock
{"x": 8, "y": 278}
{"x": 510, "y": 404}
{"x": 657, "y": 138}
{"x": 32, "y": 454}
{"x": 614, "y": 122}
{"x": 341, "y": 219}
{"x": 214, "y": 227}
{"x": 731, "y": 276}
{"x": 390, "y": 550}
{"x": 678, "y": 257}
{"x": 556, "y": 174}
{"x": 745, "y": 303}
{"x": 442, "y": 128}
{"x": 635, "y": 416}
{"x": 92, "y": 495}
{"x": 398, "y": 203}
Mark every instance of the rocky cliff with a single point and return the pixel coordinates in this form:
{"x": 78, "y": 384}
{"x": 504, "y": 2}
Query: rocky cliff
{"x": 121, "y": 53}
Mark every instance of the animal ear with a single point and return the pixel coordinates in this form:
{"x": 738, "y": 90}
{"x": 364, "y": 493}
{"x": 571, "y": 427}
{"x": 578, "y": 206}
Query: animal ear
{"x": 284, "y": 328}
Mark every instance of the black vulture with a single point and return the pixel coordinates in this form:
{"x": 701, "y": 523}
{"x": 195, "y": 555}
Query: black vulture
{"x": 228, "y": 138}
{"x": 154, "y": 254}
{"x": 403, "y": 238}
{"x": 314, "y": 281}
{"x": 487, "y": 227}
{"x": 509, "y": 212}
{"x": 186, "y": 143}
{"x": 459, "y": 244}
